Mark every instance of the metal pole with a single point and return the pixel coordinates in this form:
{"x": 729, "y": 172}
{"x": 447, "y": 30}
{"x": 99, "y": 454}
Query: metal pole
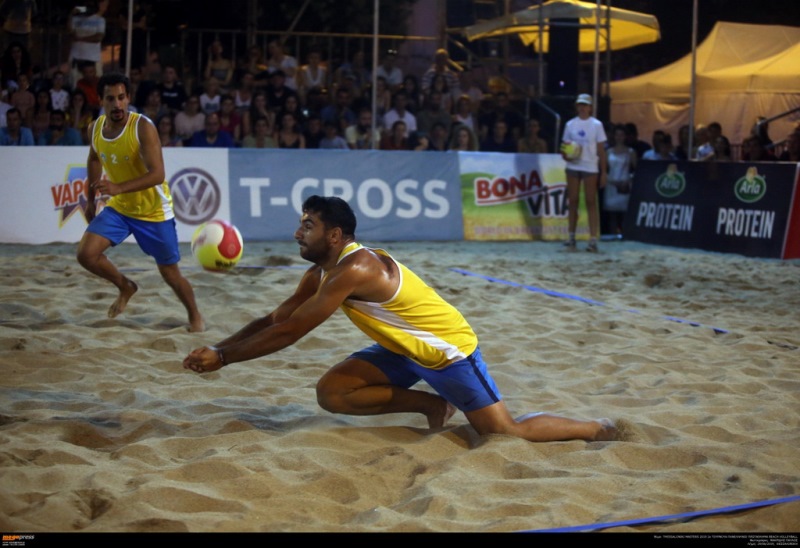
{"x": 129, "y": 39}
{"x": 375, "y": 28}
{"x": 596, "y": 67}
{"x": 693, "y": 83}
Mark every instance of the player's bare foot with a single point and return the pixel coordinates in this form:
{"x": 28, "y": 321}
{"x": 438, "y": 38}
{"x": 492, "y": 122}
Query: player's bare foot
{"x": 125, "y": 294}
{"x": 606, "y": 431}
{"x": 441, "y": 416}
{"x": 197, "y": 325}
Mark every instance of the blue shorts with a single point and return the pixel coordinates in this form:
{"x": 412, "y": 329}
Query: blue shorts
{"x": 465, "y": 383}
{"x": 157, "y": 239}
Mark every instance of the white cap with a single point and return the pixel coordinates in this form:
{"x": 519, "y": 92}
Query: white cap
{"x": 584, "y": 98}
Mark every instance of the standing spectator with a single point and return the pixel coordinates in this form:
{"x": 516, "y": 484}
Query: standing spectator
{"x": 792, "y": 152}
{"x": 464, "y": 139}
{"x": 15, "y": 134}
{"x": 682, "y": 150}
{"x": 531, "y": 142}
{"x": 166, "y": 131}
{"x": 398, "y": 112}
{"x": 80, "y": 115}
{"x": 589, "y": 168}
{"x": 40, "y": 117}
{"x": 500, "y": 139}
{"x": 332, "y": 139}
{"x": 60, "y": 133}
{"x": 261, "y": 136}
{"x": 288, "y": 136}
{"x": 753, "y": 150}
{"x": 621, "y": 166}
{"x": 358, "y": 135}
{"x": 173, "y": 94}
{"x": 389, "y": 70}
{"x": 258, "y": 109}
{"x": 17, "y": 17}
{"x": 211, "y": 98}
{"x": 722, "y": 149}
{"x": 212, "y": 136}
{"x": 396, "y": 138}
{"x": 190, "y": 120}
{"x": 441, "y": 66}
{"x": 633, "y": 141}
{"x": 313, "y": 76}
{"x": 279, "y": 60}
{"x": 219, "y": 66}
{"x": 433, "y": 113}
{"x": 314, "y": 132}
{"x": 662, "y": 147}
{"x": 88, "y": 31}
{"x": 229, "y": 118}
{"x": 59, "y": 95}
{"x": 703, "y": 150}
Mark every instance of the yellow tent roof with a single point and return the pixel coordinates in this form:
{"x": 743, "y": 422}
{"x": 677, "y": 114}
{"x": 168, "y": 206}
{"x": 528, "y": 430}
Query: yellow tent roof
{"x": 627, "y": 28}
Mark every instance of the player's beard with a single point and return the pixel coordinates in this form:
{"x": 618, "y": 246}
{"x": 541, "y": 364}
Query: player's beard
{"x": 117, "y": 115}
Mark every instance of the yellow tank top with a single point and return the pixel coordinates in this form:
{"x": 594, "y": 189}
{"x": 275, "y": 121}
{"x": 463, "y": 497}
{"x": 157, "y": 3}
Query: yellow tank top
{"x": 416, "y": 322}
{"x": 122, "y": 161}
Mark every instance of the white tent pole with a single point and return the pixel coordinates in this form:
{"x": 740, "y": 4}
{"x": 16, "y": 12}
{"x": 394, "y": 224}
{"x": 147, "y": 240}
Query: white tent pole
{"x": 596, "y": 74}
{"x": 693, "y": 87}
{"x": 541, "y": 47}
{"x": 129, "y": 39}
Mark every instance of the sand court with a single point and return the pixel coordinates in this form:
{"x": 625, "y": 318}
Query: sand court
{"x": 695, "y": 354}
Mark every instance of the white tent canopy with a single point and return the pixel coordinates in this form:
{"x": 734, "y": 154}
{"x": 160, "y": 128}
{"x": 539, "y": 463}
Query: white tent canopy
{"x": 742, "y": 72}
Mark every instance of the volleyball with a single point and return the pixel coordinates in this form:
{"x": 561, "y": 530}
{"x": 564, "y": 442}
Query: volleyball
{"x": 217, "y": 245}
{"x": 570, "y": 150}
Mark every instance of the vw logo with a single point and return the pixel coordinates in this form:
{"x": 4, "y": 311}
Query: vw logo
{"x": 195, "y": 196}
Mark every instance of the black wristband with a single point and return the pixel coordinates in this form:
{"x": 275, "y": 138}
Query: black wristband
{"x": 220, "y": 355}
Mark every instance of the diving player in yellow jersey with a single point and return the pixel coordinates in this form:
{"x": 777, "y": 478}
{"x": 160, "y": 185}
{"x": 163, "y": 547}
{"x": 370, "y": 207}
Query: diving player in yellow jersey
{"x": 418, "y": 336}
{"x": 126, "y": 145}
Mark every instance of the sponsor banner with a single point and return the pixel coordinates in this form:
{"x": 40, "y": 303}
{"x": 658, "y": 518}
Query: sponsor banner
{"x": 396, "y": 195}
{"x": 791, "y": 246}
{"x": 728, "y": 207}
{"x": 45, "y": 191}
{"x": 516, "y": 197}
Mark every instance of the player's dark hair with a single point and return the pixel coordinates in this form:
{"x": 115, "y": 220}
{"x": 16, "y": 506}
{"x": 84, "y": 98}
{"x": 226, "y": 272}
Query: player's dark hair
{"x": 333, "y": 211}
{"x": 112, "y": 79}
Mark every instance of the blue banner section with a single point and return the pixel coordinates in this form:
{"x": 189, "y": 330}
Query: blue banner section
{"x": 739, "y": 207}
{"x": 396, "y": 195}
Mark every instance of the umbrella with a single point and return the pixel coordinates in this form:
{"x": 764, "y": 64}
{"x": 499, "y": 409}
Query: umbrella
{"x": 627, "y": 28}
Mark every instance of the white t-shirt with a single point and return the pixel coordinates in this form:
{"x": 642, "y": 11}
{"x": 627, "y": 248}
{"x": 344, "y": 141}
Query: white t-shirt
{"x": 588, "y": 134}
{"x": 85, "y": 26}
{"x": 392, "y": 116}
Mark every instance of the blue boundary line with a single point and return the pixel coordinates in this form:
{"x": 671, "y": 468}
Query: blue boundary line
{"x": 574, "y": 297}
{"x": 662, "y": 519}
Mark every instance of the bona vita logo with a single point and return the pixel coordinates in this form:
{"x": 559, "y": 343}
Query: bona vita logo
{"x": 750, "y": 188}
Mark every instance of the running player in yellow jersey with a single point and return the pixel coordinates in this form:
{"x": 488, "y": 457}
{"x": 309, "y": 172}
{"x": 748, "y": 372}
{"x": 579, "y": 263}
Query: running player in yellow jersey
{"x": 417, "y": 334}
{"x": 126, "y": 146}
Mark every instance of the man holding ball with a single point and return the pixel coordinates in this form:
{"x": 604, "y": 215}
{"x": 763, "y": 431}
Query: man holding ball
{"x": 417, "y": 334}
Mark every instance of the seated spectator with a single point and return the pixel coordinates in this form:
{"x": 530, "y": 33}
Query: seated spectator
{"x": 531, "y": 142}
{"x": 60, "y": 133}
{"x": 211, "y": 98}
{"x": 633, "y": 141}
{"x": 190, "y": 120}
{"x": 464, "y": 139}
{"x": 278, "y": 91}
{"x": 24, "y": 99}
{"x": 433, "y": 112}
{"x": 499, "y": 140}
{"x": 153, "y": 107}
{"x": 332, "y": 139}
{"x": 313, "y": 75}
{"x": 166, "y": 131}
{"x": 358, "y": 135}
{"x": 681, "y": 151}
{"x": 88, "y": 84}
{"x": 243, "y": 94}
{"x": 703, "y": 149}
{"x": 4, "y": 107}
{"x": 219, "y": 67}
{"x": 419, "y": 141}
{"x": 340, "y": 111}
{"x": 471, "y": 89}
{"x": 464, "y": 114}
{"x": 14, "y": 134}
{"x": 59, "y": 95}
{"x": 281, "y": 61}
{"x": 173, "y": 94}
{"x": 395, "y": 138}
{"x": 261, "y": 136}
{"x": 792, "y": 152}
{"x": 414, "y": 95}
{"x": 16, "y": 60}
{"x": 389, "y": 70}
{"x": 356, "y": 70}
{"x": 292, "y": 105}
{"x": 753, "y": 150}
{"x": 80, "y": 114}
{"x": 229, "y": 118}
{"x": 438, "y": 140}
{"x": 399, "y": 112}
{"x": 256, "y": 65}
{"x": 288, "y": 134}
{"x": 439, "y": 83}
{"x": 258, "y": 109}
{"x": 441, "y": 67}
{"x": 40, "y": 117}
{"x": 314, "y": 132}
{"x": 212, "y": 136}
{"x": 499, "y": 107}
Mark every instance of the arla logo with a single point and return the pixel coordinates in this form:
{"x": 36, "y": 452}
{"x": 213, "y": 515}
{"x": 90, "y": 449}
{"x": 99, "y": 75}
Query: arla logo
{"x": 750, "y": 188}
{"x": 671, "y": 183}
